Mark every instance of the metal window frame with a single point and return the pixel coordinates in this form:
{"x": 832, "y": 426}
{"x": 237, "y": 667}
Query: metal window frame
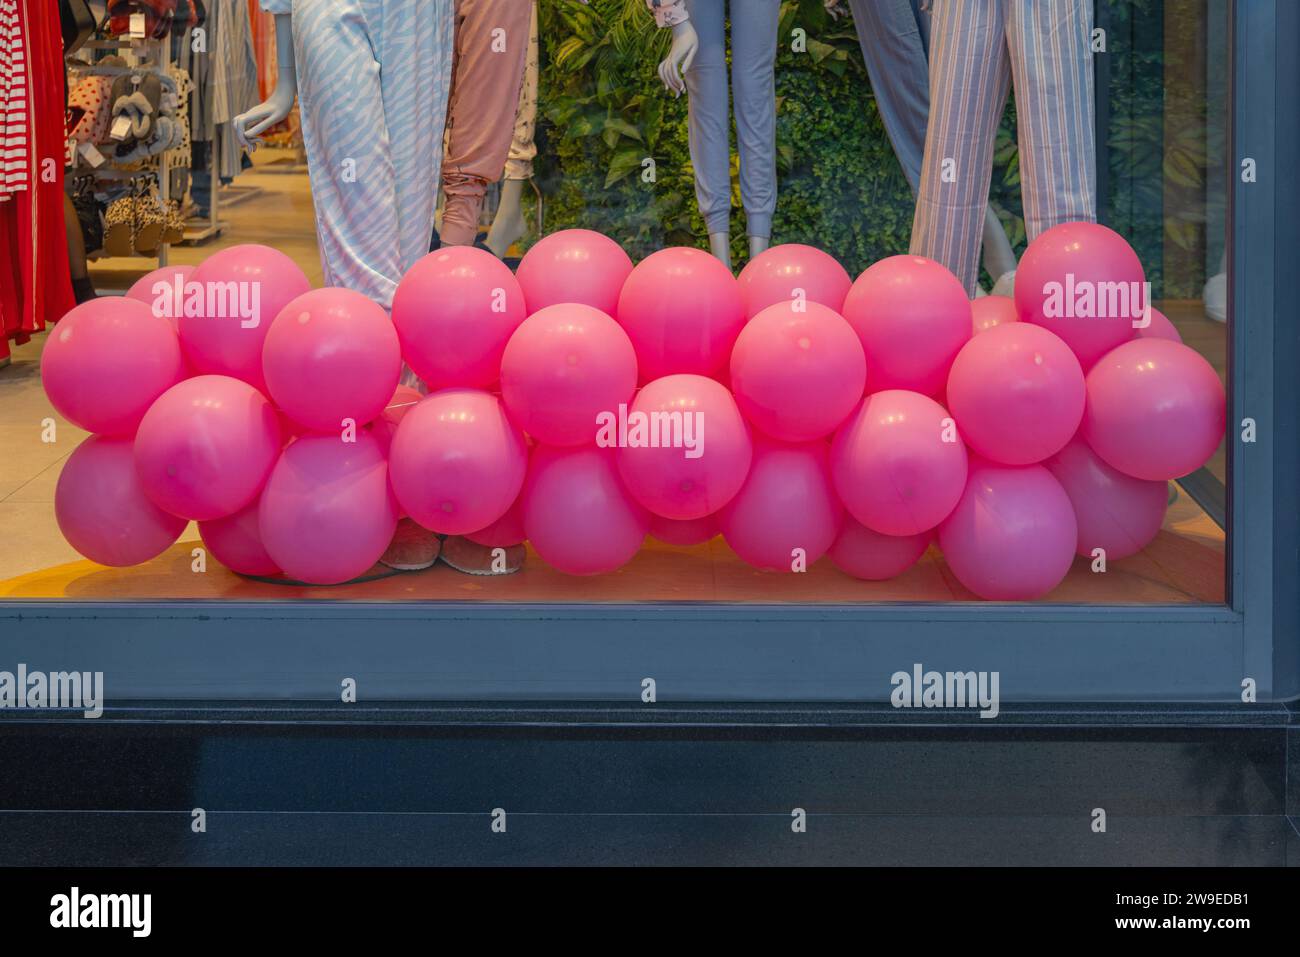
{"x": 803, "y": 652}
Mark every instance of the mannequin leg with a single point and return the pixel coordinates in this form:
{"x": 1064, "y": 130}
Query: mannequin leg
{"x": 1051, "y": 60}
{"x": 753, "y": 84}
{"x": 969, "y": 79}
{"x": 508, "y": 225}
{"x": 709, "y": 123}
{"x": 491, "y": 45}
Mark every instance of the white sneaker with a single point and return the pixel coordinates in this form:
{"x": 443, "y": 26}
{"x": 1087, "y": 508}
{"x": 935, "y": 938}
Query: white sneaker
{"x": 1006, "y": 285}
{"x": 1216, "y": 297}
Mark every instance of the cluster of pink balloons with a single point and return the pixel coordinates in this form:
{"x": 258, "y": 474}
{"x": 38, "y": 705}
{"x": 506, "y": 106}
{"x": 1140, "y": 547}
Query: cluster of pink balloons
{"x": 582, "y": 403}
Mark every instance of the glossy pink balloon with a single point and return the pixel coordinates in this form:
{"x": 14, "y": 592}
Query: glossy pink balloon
{"x": 912, "y": 316}
{"x": 1160, "y": 328}
{"x": 454, "y": 311}
{"x": 1156, "y": 409}
{"x": 786, "y": 504}
{"x": 990, "y": 311}
{"x": 682, "y": 310}
{"x": 505, "y": 531}
{"x": 1016, "y": 392}
{"x": 165, "y": 301}
{"x": 1083, "y": 282}
{"x": 205, "y": 448}
{"x": 330, "y": 355}
{"x": 791, "y": 272}
{"x": 797, "y": 372}
{"x": 236, "y": 542}
{"x": 1114, "y": 511}
{"x": 577, "y": 515}
{"x": 457, "y": 462}
{"x": 898, "y": 464}
{"x": 701, "y": 446}
{"x": 564, "y": 366}
{"x": 237, "y": 293}
{"x": 694, "y": 531}
{"x": 574, "y": 265}
{"x": 327, "y": 514}
{"x": 862, "y": 553}
{"x": 1012, "y": 536}
{"x": 102, "y": 510}
{"x": 106, "y": 362}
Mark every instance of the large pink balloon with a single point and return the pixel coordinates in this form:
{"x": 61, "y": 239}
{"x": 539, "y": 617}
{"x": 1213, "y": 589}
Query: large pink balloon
{"x": 1012, "y": 536}
{"x": 990, "y": 311}
{"x": 205, "y": 448}
{"x": 236, "y": 542}
{"x": 1114, "y": 511}
{"x": 577, "y": 515}
{"x": 692, "y": 531}
{"x": 331, "y": 354}
{"x": 106, "y": 362}
{"x": 682, "y": 310}
{"x": 163, "y": 291}
{"x": 505, "y": 531}
{"x": 1016, "y": 392}
{"x": 239, "y": 291}
{"x": 1156, "y": 409}
{"x": 1084, "y": 283}
{"x": 912, "y": 316}
{"x": 797, "y": 371}
{"x": 327, "y": 514}
{"x": 454, "y": 311}
{"x": 457, "y": 462}
{"x": 862, "y": 553}
{"x": 574, "y": 265}
{"x": 102, "y": 510}
{"x": 786, "y": 512}
{"x": 792, "y": 272}
{"x": 1160, "y": 328}
{"x": 404, "y": 399}
{"x": 898, "y": 464}
{"x": 564, "y": 366}
{"x": 686, "y": 450}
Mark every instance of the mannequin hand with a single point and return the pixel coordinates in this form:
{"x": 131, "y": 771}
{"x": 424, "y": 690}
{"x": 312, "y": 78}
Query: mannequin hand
{"x": 249, "y": 126}
{"x": 834, "y": 8}
{"x": 686, "y": 43}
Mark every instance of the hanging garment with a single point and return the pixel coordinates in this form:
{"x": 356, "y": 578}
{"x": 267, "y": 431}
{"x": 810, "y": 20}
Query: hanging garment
{"x": 14, "y": 159}
{"x": 523, "y": 143}
{"x": 373, "y": 83}
{"x": 234, "y": 77}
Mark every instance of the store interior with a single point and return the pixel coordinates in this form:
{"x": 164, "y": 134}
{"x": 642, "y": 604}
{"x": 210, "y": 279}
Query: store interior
{"x": 1174, "y": 207}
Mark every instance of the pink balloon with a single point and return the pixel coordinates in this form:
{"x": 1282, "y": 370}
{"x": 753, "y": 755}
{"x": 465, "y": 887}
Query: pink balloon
{"x": 564, "y": 366}
{"x": 786, "y": 504}
{"x": 792, "y": 272}
{"x": 454, "y": 311}
{"x": 1013, "y": 534}
{"x": 102, "y": 510}
{"x": 1156, "y": 409}
{"x": 231, "y": 299}
{"x": 693, "y": 531}
{"x": 1114, "y": 511}
{"x": 331, "y": 354}
{"x": 403, "y": 400}
{"x": 1017, "y": 394}
{"x": 574, "y": 265}
{"x": 990, "y": 311}
{"x": 862, "y": 553}
{"x": 898, "y": 466}
{"x": 1160, "y": 328}
{"x": 682, "y": 310}
{"x": 106, "y": 362}
{"x": 577, "y": 515}
{"x": 686, "y": 449}
{"x": 205, "y": 448}
{"x": 457, "y": 462}
{"x": 327, "y": 514}
{"x": 797, "y": 372}
{"x": 236, "y": 542}
{"x": 912, "y": 316}
{"x": 162, "y": 299}
{"x": 1083, "y": 282}
{"x": 505, "y": 531}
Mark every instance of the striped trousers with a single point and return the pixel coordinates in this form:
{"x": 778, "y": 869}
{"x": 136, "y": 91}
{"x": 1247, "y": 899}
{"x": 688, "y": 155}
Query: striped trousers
{"x": 979, "y": 49}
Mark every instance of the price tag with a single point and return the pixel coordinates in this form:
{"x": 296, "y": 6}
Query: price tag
{"x": 121, "y": 128}
{"x": 137, "y": 26}
{"x": 91, "y": 155}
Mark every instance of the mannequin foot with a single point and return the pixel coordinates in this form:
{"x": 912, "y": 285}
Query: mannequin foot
{"x": 720, "y": 246}
{"x": 758, "y": 244}
{"x": 508, "y": 225}
{"x": 1006, "y": 284}
{"x": 1216, "y": 297}
{"x": 474, "y": 559}
{"x": 412, "y": 548}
